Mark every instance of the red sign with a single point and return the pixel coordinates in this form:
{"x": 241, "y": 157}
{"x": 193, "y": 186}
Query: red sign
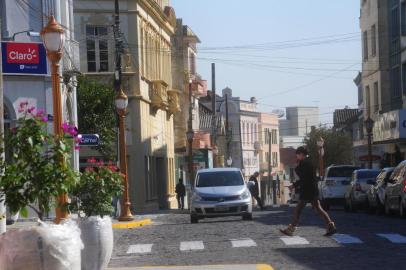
{"x": 22, "y": 53}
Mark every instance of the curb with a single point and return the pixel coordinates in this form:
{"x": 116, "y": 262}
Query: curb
{"x": 132, "y": 224}
{"x": 201, "y": 267}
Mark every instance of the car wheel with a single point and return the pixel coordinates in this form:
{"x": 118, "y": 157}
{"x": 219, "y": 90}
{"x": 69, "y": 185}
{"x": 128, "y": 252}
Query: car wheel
{"x": 387, "y": 208}
{"x": 402, "y": 210}
{"x": 247, "y": 216}
{"x": 193, "y": 219}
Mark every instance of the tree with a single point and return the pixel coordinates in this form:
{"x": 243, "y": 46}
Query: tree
{"x": 97, "y": 115}
{"x": 337, "y": 146}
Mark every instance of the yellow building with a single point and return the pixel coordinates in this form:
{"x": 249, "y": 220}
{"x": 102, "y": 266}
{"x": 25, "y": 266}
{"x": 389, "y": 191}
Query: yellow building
{"x": 147, "y": 27}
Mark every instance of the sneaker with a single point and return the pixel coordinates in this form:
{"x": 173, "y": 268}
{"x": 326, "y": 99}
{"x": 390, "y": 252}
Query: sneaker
{"x": 331, "y": 229}
{"x": 289, "y": 230}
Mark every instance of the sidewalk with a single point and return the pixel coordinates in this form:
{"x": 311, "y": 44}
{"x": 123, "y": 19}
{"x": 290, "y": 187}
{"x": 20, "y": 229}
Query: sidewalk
{"x": 203, "y": 267}
{"x": 139, "y": 221}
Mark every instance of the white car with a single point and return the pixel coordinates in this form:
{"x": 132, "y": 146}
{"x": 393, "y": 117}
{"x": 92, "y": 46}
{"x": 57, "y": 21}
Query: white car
{"x": 333, "y": 186}
{"x": 220, "y": 192}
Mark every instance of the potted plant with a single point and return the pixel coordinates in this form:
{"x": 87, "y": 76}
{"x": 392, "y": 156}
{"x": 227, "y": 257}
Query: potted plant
{"x": 92, "y": 200}
{"x": 35, "y": 173}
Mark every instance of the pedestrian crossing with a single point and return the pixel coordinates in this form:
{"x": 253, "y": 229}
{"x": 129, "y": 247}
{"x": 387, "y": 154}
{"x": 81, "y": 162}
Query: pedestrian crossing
{"x": 293, "y": 241}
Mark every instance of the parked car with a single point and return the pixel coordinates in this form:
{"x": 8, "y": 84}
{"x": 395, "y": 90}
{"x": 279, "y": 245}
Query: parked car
{"x": 361, "y": 182}
{"x": 395, "y": 192}
{"x": 376, "y": 193}
{"x": 220, "y": 192}
{"x": 334, "y": 184}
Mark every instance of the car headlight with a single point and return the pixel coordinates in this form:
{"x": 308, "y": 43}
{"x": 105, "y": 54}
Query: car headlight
{"x": 196, "y": 197}
{"x": 245, "y": 195}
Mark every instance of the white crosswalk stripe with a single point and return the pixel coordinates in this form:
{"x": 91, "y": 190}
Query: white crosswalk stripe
{"x": 294, "y": 240}
{"x": 191, "y": 245}
{"x": 139, "y": 249}
{"x": 346, "y": 239}
{"x": 247, "y": 242}
{"x": 394, "y": 238}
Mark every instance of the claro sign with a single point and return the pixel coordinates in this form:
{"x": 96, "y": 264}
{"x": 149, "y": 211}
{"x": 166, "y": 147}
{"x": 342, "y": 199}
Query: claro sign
{"x": 24, "y": 58}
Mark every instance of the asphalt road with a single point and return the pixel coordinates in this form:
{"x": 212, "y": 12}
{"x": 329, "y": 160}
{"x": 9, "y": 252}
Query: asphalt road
{"x": 364, "y": 242}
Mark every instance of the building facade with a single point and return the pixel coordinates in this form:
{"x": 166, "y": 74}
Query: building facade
{"x": 147, "y": 27}
{"x": 269, "y": 140}
{"x": 297, "y": 125}
{"x": 29, "y": 80}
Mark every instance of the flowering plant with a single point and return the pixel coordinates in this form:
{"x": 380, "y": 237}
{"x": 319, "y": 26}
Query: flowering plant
{"x": 98, "y": 184}
{"x": 38, "y": 168}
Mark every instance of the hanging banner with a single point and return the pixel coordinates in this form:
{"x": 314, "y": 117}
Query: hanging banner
{"x": 24, "y": 58}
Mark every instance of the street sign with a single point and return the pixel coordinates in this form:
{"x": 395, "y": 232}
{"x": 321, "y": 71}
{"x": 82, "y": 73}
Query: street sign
{"x": 89, "y": 139}
{"x": 24, "y": 58}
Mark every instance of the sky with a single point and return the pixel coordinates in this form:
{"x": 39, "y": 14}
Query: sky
{"x": 285, "y": 53}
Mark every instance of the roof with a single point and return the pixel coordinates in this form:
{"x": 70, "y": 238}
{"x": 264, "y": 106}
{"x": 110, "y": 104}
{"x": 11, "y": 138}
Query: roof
{"x": 219, "y": 170}
{"x": 344, "y": 116}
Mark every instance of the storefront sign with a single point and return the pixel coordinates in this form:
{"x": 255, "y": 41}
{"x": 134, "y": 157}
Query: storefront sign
{"x": 24, "y": 58}
{"x": 390, "y": 126}
{"x": 89, "y": 139}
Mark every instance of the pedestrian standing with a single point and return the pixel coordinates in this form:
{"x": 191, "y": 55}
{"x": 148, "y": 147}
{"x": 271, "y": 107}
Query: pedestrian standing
{"x": 180, "y": 194}
{"x": 308, "y": 194}
{"x": 255, "y": 189}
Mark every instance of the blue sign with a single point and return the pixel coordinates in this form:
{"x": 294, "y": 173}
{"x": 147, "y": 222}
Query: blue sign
{"x": 89, "y": 139}
{"x": 24, "y": 58}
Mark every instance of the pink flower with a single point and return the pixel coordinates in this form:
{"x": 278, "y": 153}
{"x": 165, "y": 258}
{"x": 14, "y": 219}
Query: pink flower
{"x": 77, "y": 147}
{"x": 40, "y": 112}
{"x": 65, "y": 127}
{"x": 92, "y": 160}
{"x": 21, "y": 110}
{"x": 44, "y": 119}
{"x": 31, "y": 109}
{"x": 89, "y": 169}
{"x": 73, "y": 131}
{"x": 78, "y": 139}
{"x": 100, "y": 163}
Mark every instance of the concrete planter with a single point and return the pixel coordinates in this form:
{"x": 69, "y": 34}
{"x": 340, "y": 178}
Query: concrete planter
{"x": 97, "y": 237}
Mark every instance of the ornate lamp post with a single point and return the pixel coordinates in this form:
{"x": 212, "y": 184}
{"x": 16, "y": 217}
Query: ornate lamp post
{"x": 121, "y": 106}
{"x": 369, "y": 125}
{"x": 53, "y": 37}
{"x": 320, "y": 144}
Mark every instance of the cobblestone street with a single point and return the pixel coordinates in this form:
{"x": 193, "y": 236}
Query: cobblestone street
{"x": 373, "y": 242}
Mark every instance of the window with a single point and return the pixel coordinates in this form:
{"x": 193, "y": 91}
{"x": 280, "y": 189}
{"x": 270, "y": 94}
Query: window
{"x": 368, "y": 100}
{"x": 274, "y": 159}
{"x": 97, "y": 48}
{"x": 267, "y": 156}
{"x": 395, "y": 82}
{"x": 192, "y": 64}
{"x": 365, "y": 41}
{"x": 376, "y": 97}
{"x": 360, "y": 95}
{"x": 266, "y": 136}
{"x": 274, "y": 136}
{"x": 373, "y": 40}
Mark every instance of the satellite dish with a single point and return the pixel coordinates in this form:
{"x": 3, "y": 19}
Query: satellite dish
{"x": 280, "y": 113}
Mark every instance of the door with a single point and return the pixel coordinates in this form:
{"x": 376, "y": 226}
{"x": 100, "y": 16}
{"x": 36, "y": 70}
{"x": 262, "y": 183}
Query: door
{"x": 161, "y": 175}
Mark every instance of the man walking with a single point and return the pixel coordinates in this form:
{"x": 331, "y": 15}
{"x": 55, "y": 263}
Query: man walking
{"x": 308, "y": 194}
{"x": 255, "y": 189}
{"x": 180, "y": 194}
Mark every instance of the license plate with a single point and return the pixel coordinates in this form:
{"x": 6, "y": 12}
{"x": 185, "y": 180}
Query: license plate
{"x": 221, "y": 209}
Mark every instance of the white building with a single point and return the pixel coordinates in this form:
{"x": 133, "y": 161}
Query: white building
{"x": 297, "y": 125}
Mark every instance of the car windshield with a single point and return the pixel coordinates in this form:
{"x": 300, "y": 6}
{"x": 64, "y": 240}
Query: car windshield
{"x": 219, "y": 179}
{"x": 367, "y": 174}
{"x": 341, "y": 171}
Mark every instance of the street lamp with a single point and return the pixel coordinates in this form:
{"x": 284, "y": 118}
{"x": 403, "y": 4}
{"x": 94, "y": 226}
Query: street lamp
{"x": 121, "y": 102}
{"x": 320, "y": 144}
{"x": 369, "y": 125}
{"x": 53, "y": 37}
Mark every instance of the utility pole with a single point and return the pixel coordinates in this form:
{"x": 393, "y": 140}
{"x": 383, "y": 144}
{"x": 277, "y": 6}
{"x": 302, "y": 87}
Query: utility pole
{"x": 2, "y": 205}
{"x": 190, "y": 135}
{"x": 227, "y": 129}
{"x": 273, "y": 182}
{"x": 213, "y": 108}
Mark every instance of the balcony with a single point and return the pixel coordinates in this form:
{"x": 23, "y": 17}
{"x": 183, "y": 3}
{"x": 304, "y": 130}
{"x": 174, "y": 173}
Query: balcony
{"x": 173, "y": 101}
{"x": 159, "y": 95}
{"x": 199, "y": 86}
